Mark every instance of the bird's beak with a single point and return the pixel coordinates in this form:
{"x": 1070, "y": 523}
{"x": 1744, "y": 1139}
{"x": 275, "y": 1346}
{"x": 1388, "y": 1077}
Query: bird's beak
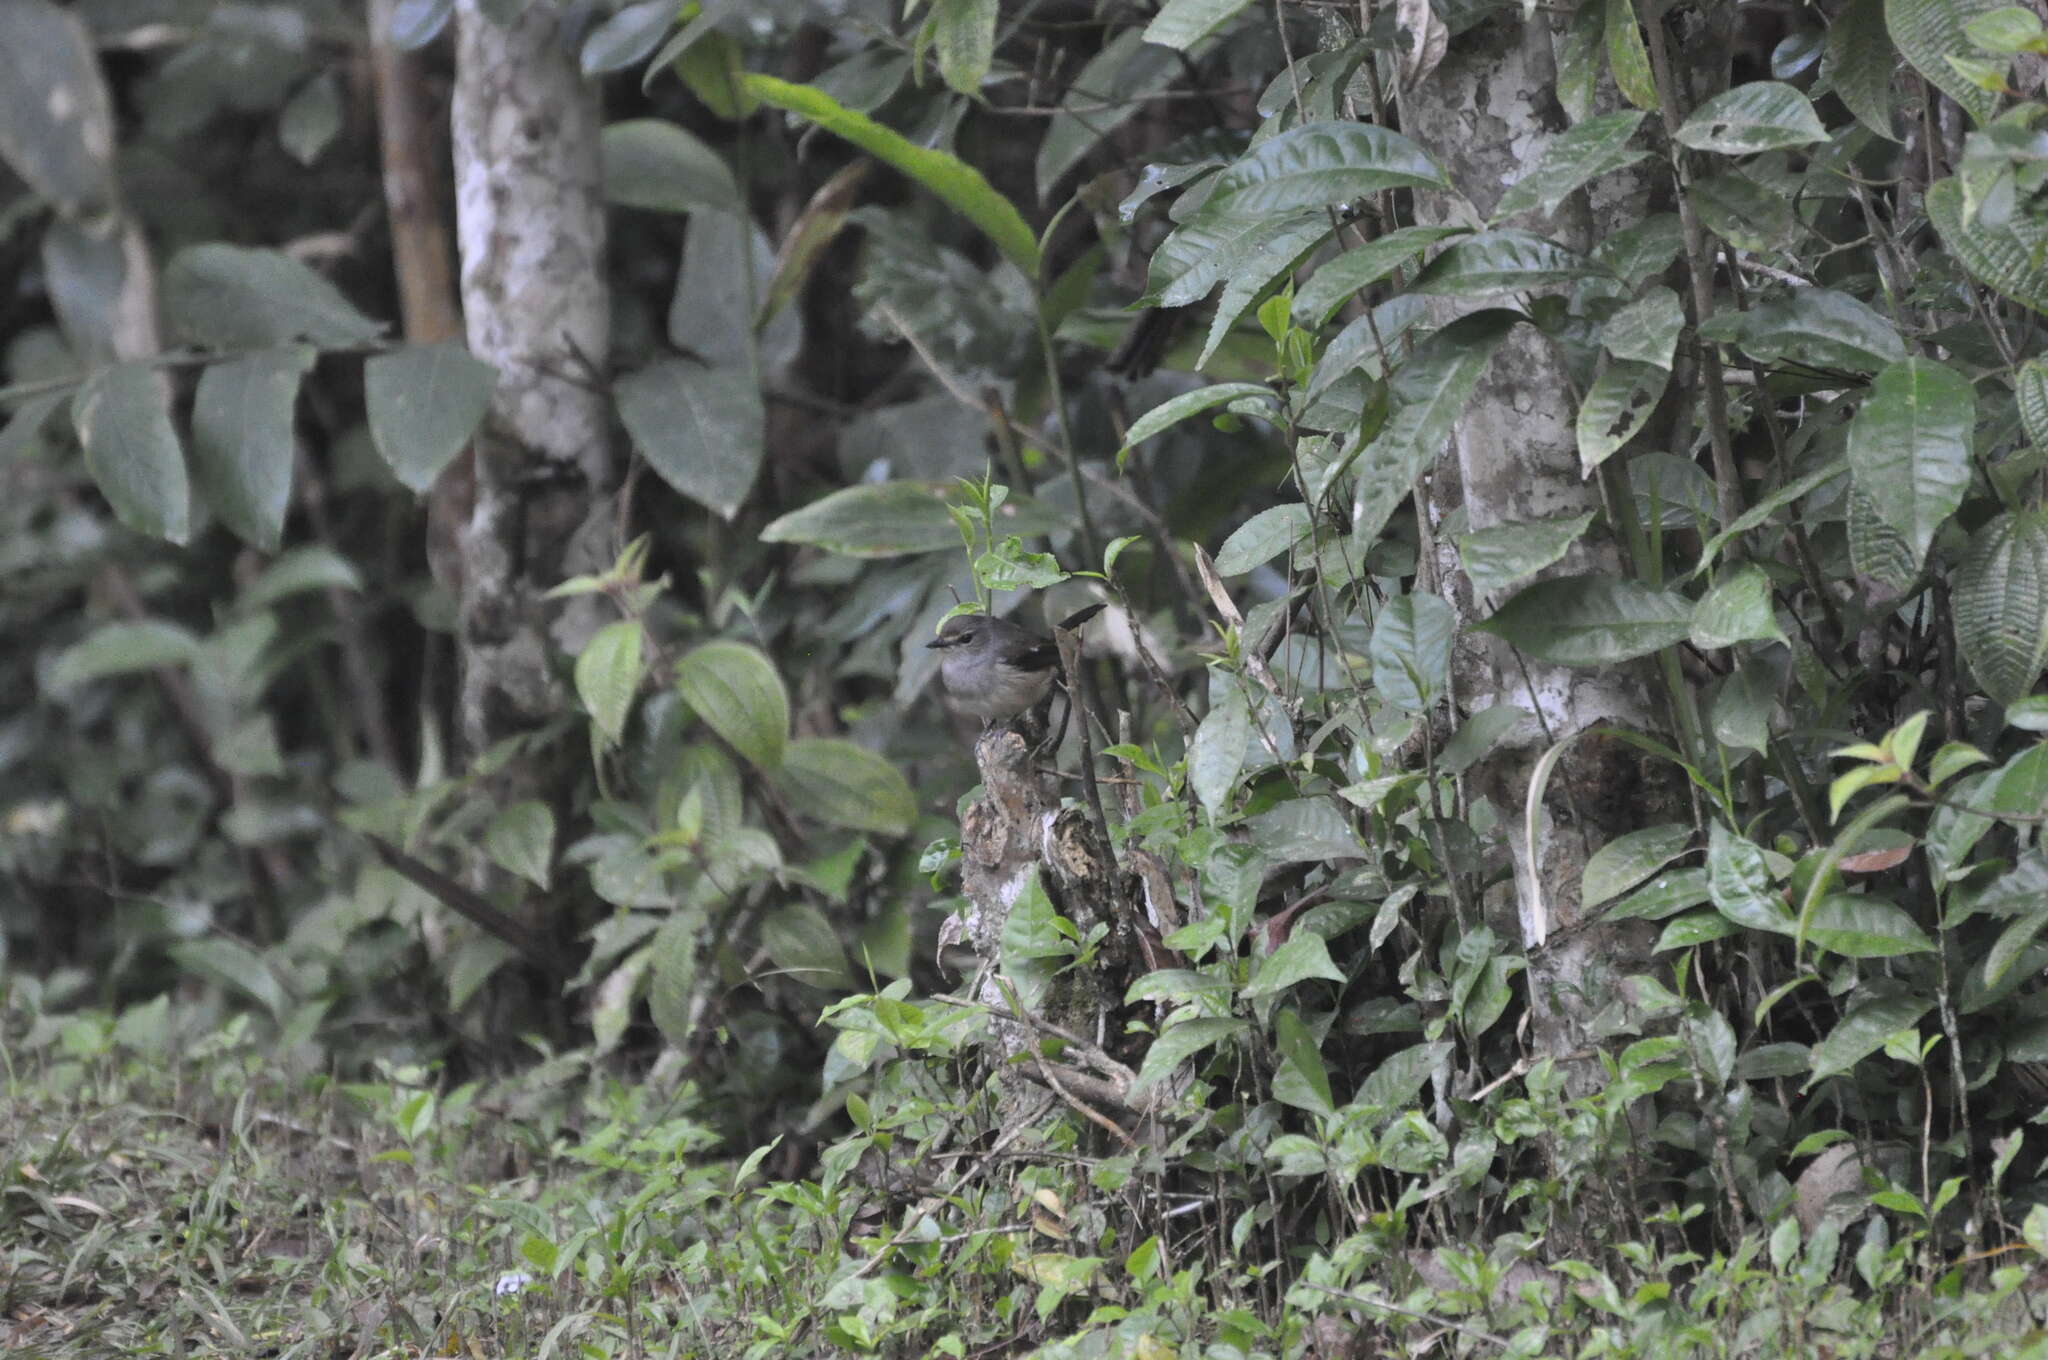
{"x": 937, "y": 642}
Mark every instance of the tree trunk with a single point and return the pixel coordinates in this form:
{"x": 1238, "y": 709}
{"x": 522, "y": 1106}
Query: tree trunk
{"x": 531, "y": 233}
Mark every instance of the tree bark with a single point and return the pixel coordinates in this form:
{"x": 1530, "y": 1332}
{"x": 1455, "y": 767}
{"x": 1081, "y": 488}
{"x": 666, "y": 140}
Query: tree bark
{"x": 531, "y": 233}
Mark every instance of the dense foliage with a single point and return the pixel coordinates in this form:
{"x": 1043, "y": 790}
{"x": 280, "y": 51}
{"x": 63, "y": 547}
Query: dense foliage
{"x": 1571, "y": 886}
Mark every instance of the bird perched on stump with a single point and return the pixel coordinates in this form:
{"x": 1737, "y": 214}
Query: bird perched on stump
{"x": 995, "y": 669}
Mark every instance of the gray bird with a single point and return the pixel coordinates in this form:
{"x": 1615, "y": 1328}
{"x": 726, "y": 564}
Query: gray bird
{"x": 996, "y": 669}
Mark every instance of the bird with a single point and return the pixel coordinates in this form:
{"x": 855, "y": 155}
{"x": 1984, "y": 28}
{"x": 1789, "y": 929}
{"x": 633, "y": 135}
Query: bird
{"x": 995, "y": 669}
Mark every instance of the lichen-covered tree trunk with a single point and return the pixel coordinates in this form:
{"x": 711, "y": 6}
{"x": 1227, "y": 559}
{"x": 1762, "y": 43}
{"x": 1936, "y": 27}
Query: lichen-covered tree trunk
{"x": 531, "y": 232}
{"x": 1486, "y": 114}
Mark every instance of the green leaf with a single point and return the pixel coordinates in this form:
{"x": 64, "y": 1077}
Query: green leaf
{"x": 1928, "y": 33}
{"x": 955, "y": 182}
{"x": 56, "y": 120}
{"x": 1909, "y": 449}
{"x": 1180, "y": 24}
{"x": 1627, "y": 860}
{"x": 1695, "y": 928}
{"x": 1431, "y": 390}
{"x": 1497, "y": 557}
{"x": 1628, "y": 58}
{"x": 1646, "y": 331}
{"x": 1746, "y": 214}
{"x": 1763, "y": 115}
{"x": 1580, "y": 154}
{"x": 1743, "y": 704}
{"x": 1255, "y": 269}
{"x": 132, "y": 451}
{"x": 1335, "y": 280}
{"x": 1740, "y": 884}
{"x": 653, "y": 164}
{"x": 424, "y": 403}
{"x": 2011, "y": 257}
{"x": 892, "y": 519}
{"x": 1665, "y": 895}
{"x": 1860, "y": 927}
{"x": 1479, "y": 734}
{"x": 1821, "y": 327}
{"x": 1179, "y": 1041}
{"x": 966, "y": 41}
{"x": 627, "y": 37}
{"x": 1302, "y": 1080}
{"x": 1303, "y": 956}
{"x": 2001, "y": 604}
{"x": 301, "y": 569}
{"x": 521, "y": 840}
{"x": 1862, "y": 1032}
{"x": 1591, "y": 620}
{"x": 1174, "y": 410}
{"x": 701, "y": 429}
{"x": 1217, "y": 752}
{"x": 1759, "y": 513}
{"x": 1394, "y": 1082}
{"x": 1499, "y": 261}
{"x": 1318, "y": 165}
{"x": 1210, "y": 248}
{"x": 736, "y": 691}
{"x": 608, "y": 676}
{"x": 1411, "y": 650}
{"x": 1263, "y": 537}
{"x": 226, "y": 297}
{"x": 242, "y": 439}
{"x": 672, "y": 977}
{"x": 2030, "y": 393}
{"x": 1109, "y": 91}
{"x": 835, "y": 781}
{"x": 800, "y": 940}
{"x": 1617, "y": 406}
{"x": 1739, "y": 609}
{"x": 1860, "y": 63}
{"x": 232, "y": 965}
{"x": 309, "y": 124}
{"x": 122, "y": 649}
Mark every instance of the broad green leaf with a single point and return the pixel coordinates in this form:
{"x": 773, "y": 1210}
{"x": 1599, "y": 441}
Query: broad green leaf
{"x": 1174, "y": 410}
{"x": 1319, "y": 165}
{"x": 1746, "y": 214}
{"x": 1740, "y": 884}
{"x": 1739, "y": 609}
{"x": 1302, "y": 1080}
{"x": 1431, "y": 390}
{"x": 1763, "y": 115}
{"x": 1646, "y": 331}
{"x": 701, "y": 429}
{"x": 1180, "y": 1041}
{"x": 835, "y": 781}
{"x": 1366, "y": 340}
{"x": 653, "y": 164}
{"x": 627, "y": 37}
{"x": 1862, "y": 1032}
{"x": 1928, "y": 33}
{"x": 424, "y": 403}
{"x": 965, "y": 40}
{"x": 1591, "y": 620}
{"x": 122, "y": 649}
{"x": 1821, "y": 327}
{"x": 2012, "y": 257}
{"x": 1628, "y": 58}
{"x": 955, "y": 182}
{"x": 56, "y": 120}
{"x": 1496, "y": 558}
{"x": 1860, "y": 64}
{"x": 2030, "y": 394}
{"x": 1210, "y": 248}
{"x": 1673, "y": 492}
{"x": 1180, "y": 24}
{"x": 1637, "y": 254}
{"x": 1499, "y": 261}
{"x": 1110, "y": 89}
{"x": 1263, "y": 537}
{"x": 313, "y": 567}
{"x": 1477, "y": 736}
{"x": 225, "y": 297}
{"x": 1629, "y": 859}
{"x": 235, "y": 966}
{"x": 1336, "y": 280}
{"x": 1861, "y": 927}
{"x": 1578, "y": 155}
{"x": 736, "y": 691}
{"x": 1217, "y": 752}
{"x": 1759, "y": 513}
{"x": 1394, "y": 1082}
{"x": 608, "y": 675}
{"x": 1909, "y": 448}
{"x": 893, "y": 519}
{"x": 1665, "y": 895}
{"x": 1617, "y": 406}
{"x": 1741, "y": 712}
{"x": 801, "y": 942}
{"x": 2012, "y": 943}
{"x": 1255, "y": 270}
{"x": 242, "y": 452}
{"x": 1303, "y": 956}
{"x": 132, "y": 450}
{"x": 2001, "y": 604}
{"x": 672, "y": 977}
{"x": 521, "y": 840}
{"x": 1579, "y": 59}
{"x": 1695, "y": 928}
{"x": 1411, "y": 650}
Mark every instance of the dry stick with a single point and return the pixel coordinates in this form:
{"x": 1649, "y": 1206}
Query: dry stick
{"x": 466, "y": 903}
{"x": 1080, "y": 691}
